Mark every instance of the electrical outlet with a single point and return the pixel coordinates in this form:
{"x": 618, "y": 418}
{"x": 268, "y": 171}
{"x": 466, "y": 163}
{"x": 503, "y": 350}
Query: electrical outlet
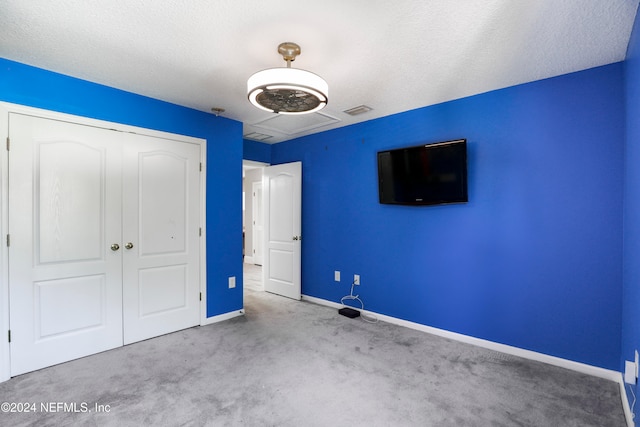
{"x": 232, "y": 282}
{"x": 336, "y": 276}
{"x": 637, "y": 361}
{"x": 629, "y": 372}
{"x": 356, "y": 279}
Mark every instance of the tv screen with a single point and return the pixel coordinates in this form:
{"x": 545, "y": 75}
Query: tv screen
{"x": 430, "y": 174}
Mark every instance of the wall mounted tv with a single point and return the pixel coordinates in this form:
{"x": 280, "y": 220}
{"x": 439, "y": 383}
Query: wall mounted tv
{"x": 430, "y": 174}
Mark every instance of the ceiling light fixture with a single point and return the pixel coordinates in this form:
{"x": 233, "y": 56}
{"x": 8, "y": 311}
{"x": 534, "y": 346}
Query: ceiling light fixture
{"x": 217, "y": 111}
{"x": 288, "y": 90}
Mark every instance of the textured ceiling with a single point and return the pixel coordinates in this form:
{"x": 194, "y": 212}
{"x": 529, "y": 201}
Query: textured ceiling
{"x": 392, "y": 56}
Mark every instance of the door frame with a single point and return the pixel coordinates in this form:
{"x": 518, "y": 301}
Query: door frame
{"x": 5, "y": 109}
{"x": 249, "y": 165}
{"x": 260, "y": 243}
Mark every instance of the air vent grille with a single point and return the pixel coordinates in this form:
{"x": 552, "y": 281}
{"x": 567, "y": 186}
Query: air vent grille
{"x": 257, "y": 136}
{"x": 360, "y": 109}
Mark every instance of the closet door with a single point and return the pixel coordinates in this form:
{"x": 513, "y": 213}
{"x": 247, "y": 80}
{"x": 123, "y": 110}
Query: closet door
{"x": 65, "y": 274}
{"x": 161, "y": 259}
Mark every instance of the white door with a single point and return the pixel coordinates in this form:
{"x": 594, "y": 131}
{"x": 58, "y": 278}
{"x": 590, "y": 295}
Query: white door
{"x": 161, "y": 226}
{"x": 282, "y": 193}
{"x": 65, "y": 282}
{"x": 257, "y": 220}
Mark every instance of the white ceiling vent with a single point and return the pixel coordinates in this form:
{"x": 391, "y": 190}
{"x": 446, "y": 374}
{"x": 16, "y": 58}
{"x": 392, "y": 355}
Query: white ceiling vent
{"x": 257, "y": 136}
{"x": 292, "y": 125}
{"x": 360, "y": 109}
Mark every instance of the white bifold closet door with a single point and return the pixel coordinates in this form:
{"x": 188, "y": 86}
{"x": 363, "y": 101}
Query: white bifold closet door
{"x": 103, "y": 230}
{"x": 161, "y": 212}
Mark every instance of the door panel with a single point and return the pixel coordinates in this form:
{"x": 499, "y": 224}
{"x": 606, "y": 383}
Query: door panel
{"x": 69, "y": 306}
{"x": 282, "y": 192}
{"x": 65, "y": 202}
{"x": 162, "y": 289}
{"x": 69, "y": 203}
{"x": 164, "y": 185}
{"x": 161, "y": 220}
{"x": 281, "y": 262}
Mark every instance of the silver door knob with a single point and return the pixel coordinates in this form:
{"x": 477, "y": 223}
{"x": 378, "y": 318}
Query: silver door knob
{"x": 115, "y": 247}
{"x": 129, "y": 245}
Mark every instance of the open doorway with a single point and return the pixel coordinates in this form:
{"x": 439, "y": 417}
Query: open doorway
{"x": 252, "y": 223}
{"x": 275, "y": 194}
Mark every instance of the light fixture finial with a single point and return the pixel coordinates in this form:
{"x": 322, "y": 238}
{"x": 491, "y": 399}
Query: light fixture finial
{"x": 289, "y": 51}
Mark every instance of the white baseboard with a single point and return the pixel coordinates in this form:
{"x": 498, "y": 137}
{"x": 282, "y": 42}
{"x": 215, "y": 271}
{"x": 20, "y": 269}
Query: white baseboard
{"x": 222, "y": 317}
{"x": 503, "y": 348}
{"x": 321, "y": 301}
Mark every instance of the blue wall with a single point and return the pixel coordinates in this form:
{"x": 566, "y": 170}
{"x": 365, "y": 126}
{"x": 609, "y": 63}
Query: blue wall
{"x": 631, "y": 275}
{"x": 22, "y": 84}
{"x": 256, "y": 151}
{"x": 534, "y": 260}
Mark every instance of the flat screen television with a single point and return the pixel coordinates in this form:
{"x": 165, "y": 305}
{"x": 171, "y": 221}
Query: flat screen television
{"x": 430, "y": 174}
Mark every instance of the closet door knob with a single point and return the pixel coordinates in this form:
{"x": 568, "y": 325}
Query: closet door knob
{"x": 129, "y": 245}
{"x": 115, "y": 247}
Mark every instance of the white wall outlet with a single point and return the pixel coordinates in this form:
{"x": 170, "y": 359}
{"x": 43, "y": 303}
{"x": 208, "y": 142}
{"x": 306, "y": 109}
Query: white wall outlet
{"x": 232, "y": 282}
{"x": 629, "y": 372}
{"x": 637, "y": 362}
{"x": 336, "y": 276}
{"x": 356, "y": 279}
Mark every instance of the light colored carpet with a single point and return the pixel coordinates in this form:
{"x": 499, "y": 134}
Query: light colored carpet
{"x": 288, "y": 363}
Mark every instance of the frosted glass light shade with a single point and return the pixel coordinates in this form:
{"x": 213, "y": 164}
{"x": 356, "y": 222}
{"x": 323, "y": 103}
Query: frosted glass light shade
{"x": 287, "y": 91}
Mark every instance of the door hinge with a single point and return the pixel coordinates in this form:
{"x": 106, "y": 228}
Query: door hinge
{"x": 200, "y": 166}
{"x": 9, "y": 335}
{"x": 200, "y": 232}
{"x": 200, "y": 296}
{"x": 8, "y": 143}
{"x": 8, "y": 240}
